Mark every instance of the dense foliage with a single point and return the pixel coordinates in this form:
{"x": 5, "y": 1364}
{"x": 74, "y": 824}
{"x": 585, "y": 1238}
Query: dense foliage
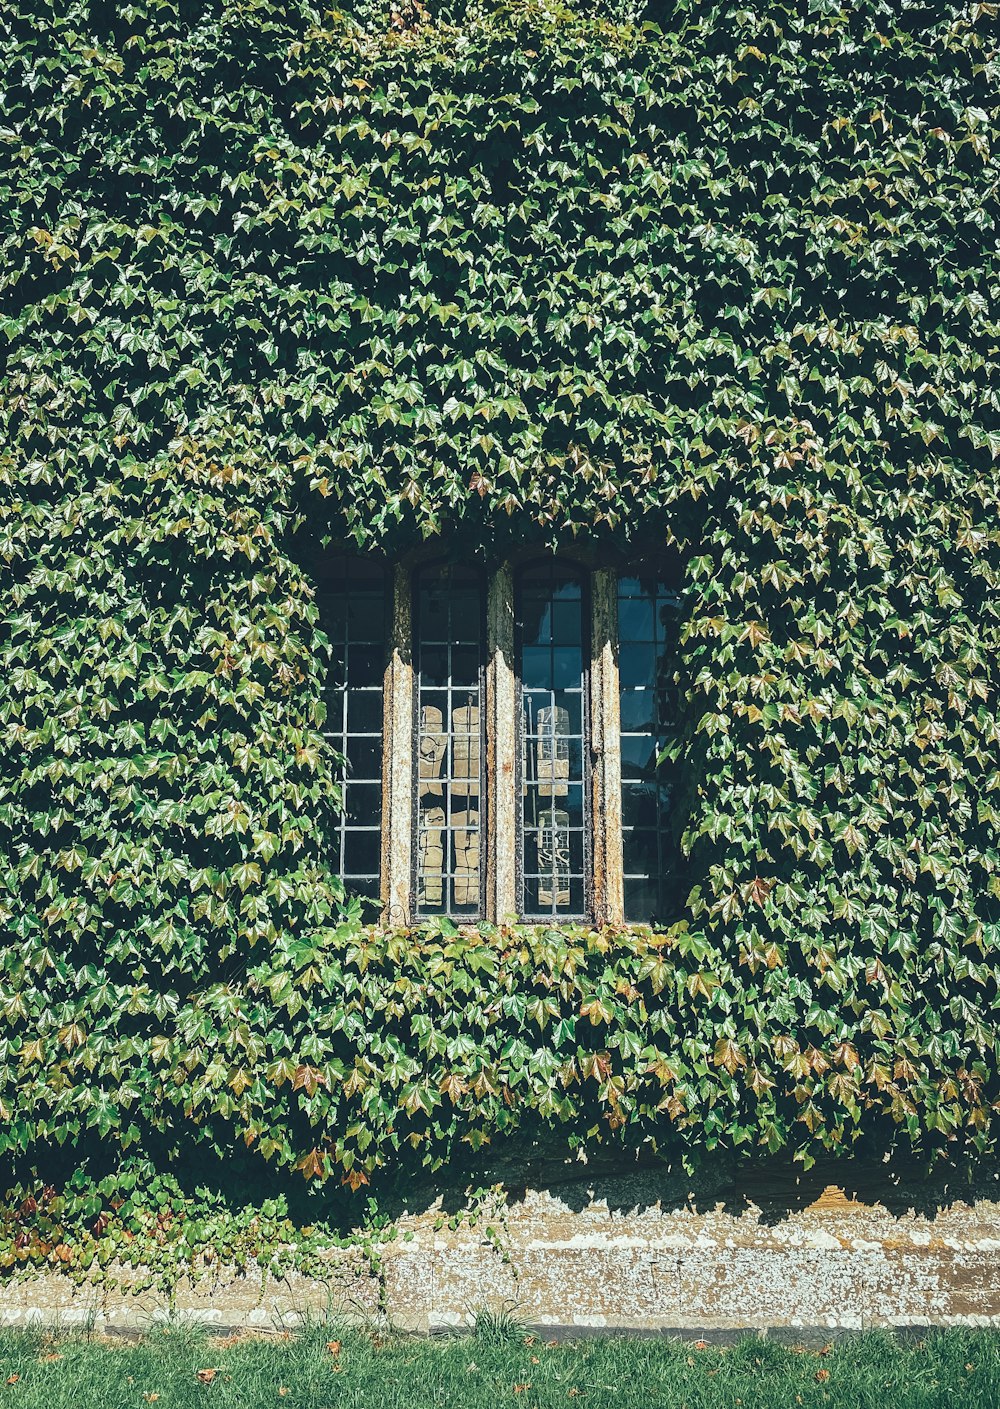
{"x": 271, "y": 278}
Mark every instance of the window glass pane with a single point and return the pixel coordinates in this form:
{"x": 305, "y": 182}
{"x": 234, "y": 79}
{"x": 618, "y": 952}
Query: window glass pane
{"x": 648, "y": 621}
{"x": 352, "y": 603}
{"x": 642, "y": 897}
{"x": 635, "y": 618}
{"x": 636, "y": 664}
{"x": 364, "y": 713}
{"x": 448, "y": 658}
{"x": 362, "y": 802}
{"x": 365, "y": 664}
{"x": 549, "y": 612}
{"x": 364, "y": 758}
{"x": 638, "y": 711}
{"x": 361, "y": 852}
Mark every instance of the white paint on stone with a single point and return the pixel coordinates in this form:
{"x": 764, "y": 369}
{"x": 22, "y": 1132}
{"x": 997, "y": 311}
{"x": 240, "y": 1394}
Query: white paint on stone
{"x": 626, "y": 1256}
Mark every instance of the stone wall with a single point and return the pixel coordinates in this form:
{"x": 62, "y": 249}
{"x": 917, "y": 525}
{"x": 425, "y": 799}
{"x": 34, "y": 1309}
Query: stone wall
{"x": 768, "y": 1253}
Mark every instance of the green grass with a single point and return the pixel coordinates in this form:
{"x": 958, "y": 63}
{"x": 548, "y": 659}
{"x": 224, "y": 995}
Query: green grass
{"x": 500, "y": 1365}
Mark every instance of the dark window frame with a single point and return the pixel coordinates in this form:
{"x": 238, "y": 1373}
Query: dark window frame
{"x": 337, "y": 578}
{"x": 664, "y": 586}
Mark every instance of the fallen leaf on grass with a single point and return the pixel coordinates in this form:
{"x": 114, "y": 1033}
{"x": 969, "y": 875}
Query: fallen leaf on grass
{"x": 283, "y": 1390}
{"x": 151, "y": 1397}
{"x": 822, "y": 1376}
{"x": 13, "y": 1379}
{"x": 207, "y": 1376}
{"x": 52, "y": 1355}
{"x": 333, "y": 1347}
{"x": 520, "y": 1389}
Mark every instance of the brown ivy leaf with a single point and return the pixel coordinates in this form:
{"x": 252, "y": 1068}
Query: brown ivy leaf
{"x": 758, "y": 890}
{"x": 206, "y": 1376}
{"x": 311, "y": 1165}
{"x": 308, "y": 1079}
{"x": 727, "y": 1054}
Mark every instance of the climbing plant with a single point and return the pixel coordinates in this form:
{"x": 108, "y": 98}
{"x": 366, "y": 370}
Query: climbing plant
{"x": 715, "y": 276}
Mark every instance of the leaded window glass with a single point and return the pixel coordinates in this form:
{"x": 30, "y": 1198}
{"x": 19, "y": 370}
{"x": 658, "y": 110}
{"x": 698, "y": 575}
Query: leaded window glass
{"x": 448, "y": 604}
{"x": 413, "y": 831}
{"x": 647, "y": 636}
{"x": 552, "y": 648}
{"x": 353, "y": 614}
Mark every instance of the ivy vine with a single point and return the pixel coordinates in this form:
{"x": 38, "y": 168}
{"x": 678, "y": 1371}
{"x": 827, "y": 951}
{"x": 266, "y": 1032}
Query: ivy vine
{"x": 723, "y": 277}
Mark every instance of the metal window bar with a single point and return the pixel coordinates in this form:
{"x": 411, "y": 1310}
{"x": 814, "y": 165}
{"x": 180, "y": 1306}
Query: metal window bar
{"x": 552, "y": 651}
{"x": 449, "y": 814}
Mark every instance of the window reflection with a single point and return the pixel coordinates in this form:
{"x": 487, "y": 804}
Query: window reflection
{"x": 448, "y": 620}
{"x": 550, "y": 614}
{"x": 647, "y": 632}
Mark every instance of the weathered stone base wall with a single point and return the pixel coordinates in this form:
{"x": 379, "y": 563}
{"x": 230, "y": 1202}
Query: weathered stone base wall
{"x": 619, "y": 1253}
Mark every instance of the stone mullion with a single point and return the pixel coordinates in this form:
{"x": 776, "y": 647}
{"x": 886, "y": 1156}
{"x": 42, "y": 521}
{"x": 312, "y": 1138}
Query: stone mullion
{"x": 501, "y": 750}
{"x": 397, "y": 759}
{"x": 606, "y": 752}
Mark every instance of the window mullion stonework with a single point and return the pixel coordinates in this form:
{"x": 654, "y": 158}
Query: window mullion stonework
{"x": 501, "y": 750}
{"x": 397, "y": 771}
{"x": 605, "y": 739}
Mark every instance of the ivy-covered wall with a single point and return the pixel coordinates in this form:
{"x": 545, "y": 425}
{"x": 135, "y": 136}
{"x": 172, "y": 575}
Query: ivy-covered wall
{"x": 717, "y": 276}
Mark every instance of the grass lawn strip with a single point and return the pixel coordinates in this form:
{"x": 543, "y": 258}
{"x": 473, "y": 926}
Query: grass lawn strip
{"x": 499, "y": 1365}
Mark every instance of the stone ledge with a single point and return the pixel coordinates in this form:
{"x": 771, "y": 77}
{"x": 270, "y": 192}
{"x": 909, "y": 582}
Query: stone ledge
{"x": 619, "y": 1254}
